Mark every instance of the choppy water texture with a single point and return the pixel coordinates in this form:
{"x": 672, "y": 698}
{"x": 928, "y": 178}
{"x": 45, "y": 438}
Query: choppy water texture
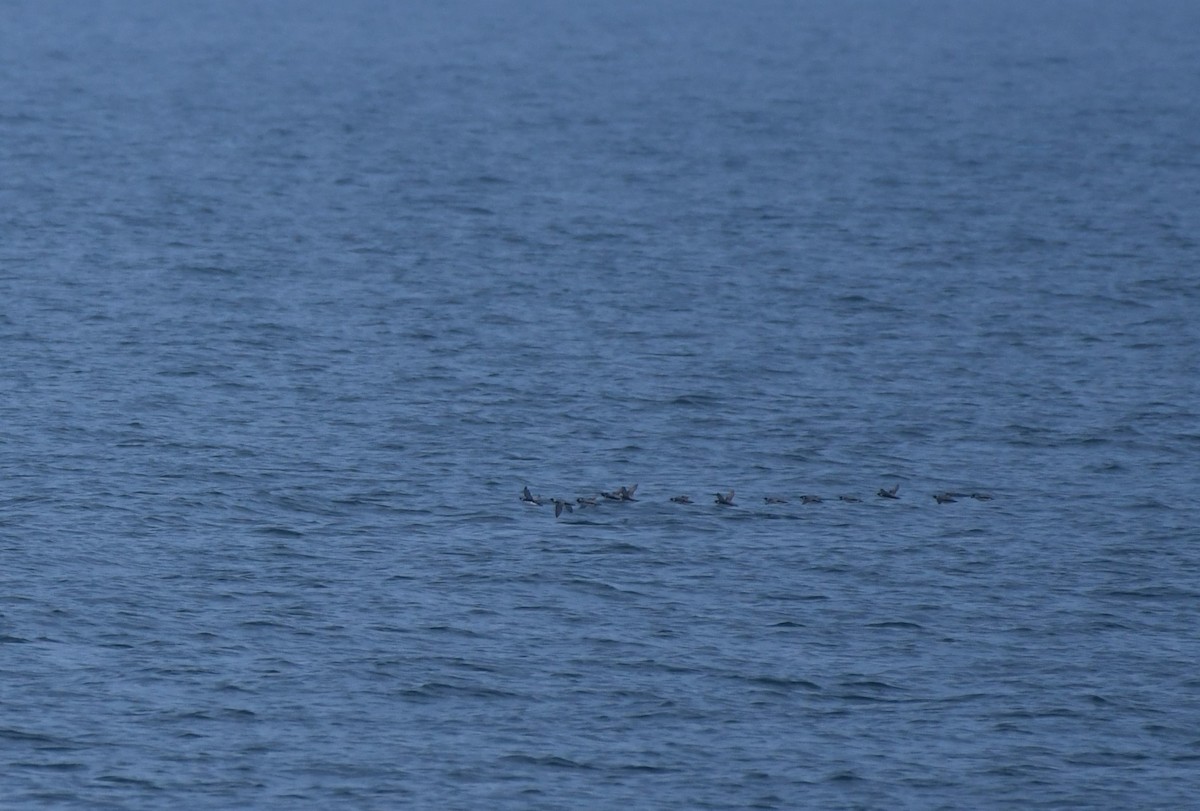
{"x": 296, "y": 297}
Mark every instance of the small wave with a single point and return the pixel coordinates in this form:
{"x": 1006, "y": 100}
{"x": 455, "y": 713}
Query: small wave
{"x": 645, "y": 768}
{"x": 279, "y": 532}
{"x": 1150, "y": 503}
{"x": 552, "y": 761}
{"x": 785, "y": 683}
{"x": 601, "y": 589}
{"x": 696, "y": 400}
{"x": 451, "y": 629}
{"x": 853, "y": 298}
{"x": 871, "y": 684}
{"x": 51, "y": 767}
{"x": 205, "y": 270}
{"x": 7, "y": 733}
{"x": 1151, "y": 593}
{"x": 621, "y": 547}
{"x": 440, "y": 689}
{"x": 117, "y": 779}
{"x": 843, "y": 777}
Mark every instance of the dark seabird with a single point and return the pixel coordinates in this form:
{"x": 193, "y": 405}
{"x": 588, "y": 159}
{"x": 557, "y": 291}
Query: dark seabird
{"x": 981, "y": 497}
{"x": 682, "y": 499}
{"x": 888, "y": 493}
{"x": 850, "y": 499}
{"x": 530, "y": 498}
{"x": 726, "y": 499}
{"x": 774, "y": 500}
{"x": 585, "y": 502}
{"x": 944, "y": 498}
{"x": 622, "y": 493}
{"x": 560, "y": 505}
{"x": 810, "y": 499}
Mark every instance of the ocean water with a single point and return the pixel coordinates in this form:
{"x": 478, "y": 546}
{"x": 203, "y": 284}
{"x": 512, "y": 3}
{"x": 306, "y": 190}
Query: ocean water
{"x": 296, "y": 297}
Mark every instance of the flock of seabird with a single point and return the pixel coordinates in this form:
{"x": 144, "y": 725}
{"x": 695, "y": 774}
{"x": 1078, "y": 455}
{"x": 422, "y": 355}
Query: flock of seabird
{"x": 624, "y": 493}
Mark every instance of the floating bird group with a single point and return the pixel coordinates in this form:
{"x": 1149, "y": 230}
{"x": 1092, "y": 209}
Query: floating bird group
{"x": 626, "y": 493}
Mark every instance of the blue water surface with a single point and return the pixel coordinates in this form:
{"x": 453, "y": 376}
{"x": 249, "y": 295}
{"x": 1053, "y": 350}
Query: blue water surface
{"x": 296, "y": 297}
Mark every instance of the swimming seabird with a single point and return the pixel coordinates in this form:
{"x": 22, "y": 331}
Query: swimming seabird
{"x": 726, "y": 499}
{"x": 626, "y": 493}
{"x": 810, "y": 499}
{"x": 888, "y": 493}
{"x": 774, "y": 500}
{"x": 585, "y": 502}
{"x": 682, "y": 499}
{"x": 530, "y": 498}
{"x": 850, "y": 499}
{"x": 944, "y": 498}
{"x": 981, "y": 496}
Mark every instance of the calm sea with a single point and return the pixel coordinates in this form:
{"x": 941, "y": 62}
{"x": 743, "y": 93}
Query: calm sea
{"x": 296, "y": 297}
